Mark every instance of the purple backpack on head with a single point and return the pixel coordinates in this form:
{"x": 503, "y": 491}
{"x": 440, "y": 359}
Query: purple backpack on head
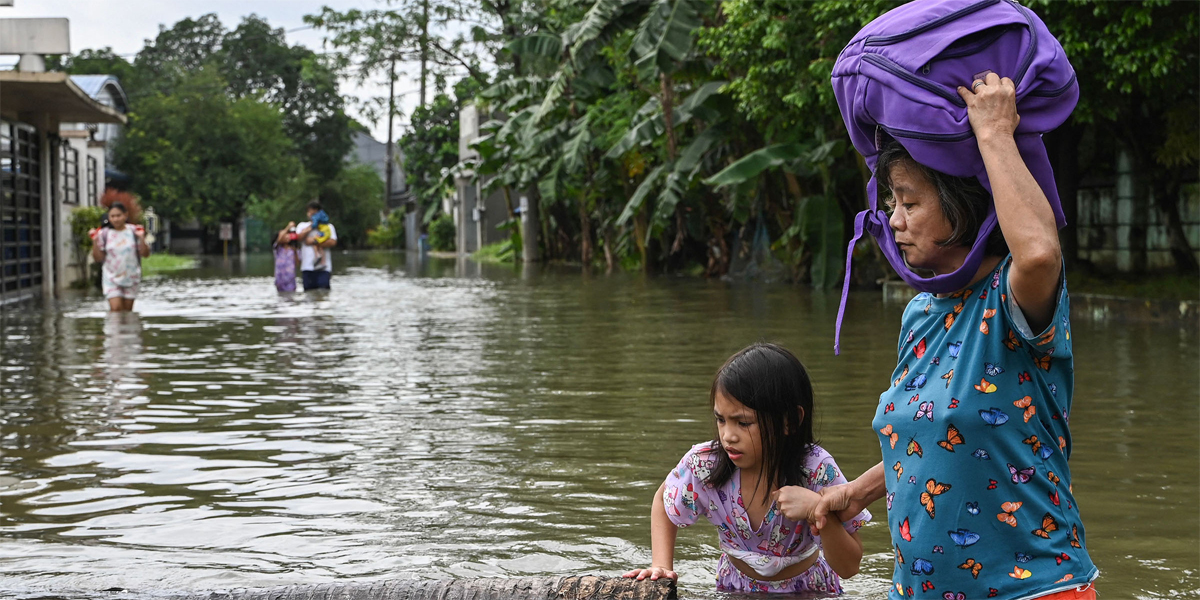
{"x": 898, "y": 78}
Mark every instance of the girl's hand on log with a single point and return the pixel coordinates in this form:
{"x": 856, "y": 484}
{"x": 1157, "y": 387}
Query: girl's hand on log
{"x": 654, "y": 573}
{"x": 795, "y": 502}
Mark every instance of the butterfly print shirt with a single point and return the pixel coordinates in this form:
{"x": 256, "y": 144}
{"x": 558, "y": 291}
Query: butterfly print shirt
{"x": 975, "y": 444}
{"x": 768, "y": 547}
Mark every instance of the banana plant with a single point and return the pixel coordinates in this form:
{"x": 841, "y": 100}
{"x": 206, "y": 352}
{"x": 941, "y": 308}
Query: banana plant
{"x": 818, "y": 221}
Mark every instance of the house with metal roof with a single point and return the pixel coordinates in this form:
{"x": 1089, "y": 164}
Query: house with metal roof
{"x": 52, "y": 157}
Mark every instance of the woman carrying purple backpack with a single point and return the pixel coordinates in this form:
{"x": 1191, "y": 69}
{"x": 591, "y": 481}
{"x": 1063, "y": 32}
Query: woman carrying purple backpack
{"x": 947, "y": 101}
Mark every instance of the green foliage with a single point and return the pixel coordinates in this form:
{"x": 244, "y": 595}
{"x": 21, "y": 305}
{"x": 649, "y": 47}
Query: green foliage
{"x": 389, "y": 233}
{"x": 198, "y": 153}
{"x": 83, "y": 220}
{"x": 162, "y": 262}
{"x": 354, "y": 201}
{"x": 93, "y": 62}
{"x": 498, "y": 252}
{"x": 441, "y": 233}
{"x": 431, "y": 150}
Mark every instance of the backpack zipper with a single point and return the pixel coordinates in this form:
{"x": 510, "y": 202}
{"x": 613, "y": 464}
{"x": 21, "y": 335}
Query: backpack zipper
{"x": 912, "y": 78}
{"x": 929, "y": 137}
{"x": 880, "y": 40}
{"x": 1032, "y": 43}
{"x": 1055, "y": 92}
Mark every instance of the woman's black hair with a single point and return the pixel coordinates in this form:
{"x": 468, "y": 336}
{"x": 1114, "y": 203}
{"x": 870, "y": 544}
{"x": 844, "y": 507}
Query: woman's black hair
{"x": 119, "y": 206}
{"x": 774, "y": 384}
{"x": 964, "y": 200}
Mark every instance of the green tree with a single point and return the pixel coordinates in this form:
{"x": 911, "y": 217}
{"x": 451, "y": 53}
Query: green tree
{"x": 197, "y": 153}
{"x": 430, "y": 151}
{"x": 1138, "y": 66}
{"x": 354, "y": 201}
{"x": 93, "y": 62}
{"x": 257, "y": 61}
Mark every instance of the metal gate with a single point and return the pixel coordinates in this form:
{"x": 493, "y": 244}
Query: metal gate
{"x": 21, "y": 269}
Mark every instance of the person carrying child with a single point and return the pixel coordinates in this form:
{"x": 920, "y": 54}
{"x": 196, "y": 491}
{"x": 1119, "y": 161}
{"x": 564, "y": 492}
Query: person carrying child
{"x": 316, "y": 264}
{"x": 764, "y": 462}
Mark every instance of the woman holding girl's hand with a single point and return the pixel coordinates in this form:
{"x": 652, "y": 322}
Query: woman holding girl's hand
{"x": 842, "y": 550}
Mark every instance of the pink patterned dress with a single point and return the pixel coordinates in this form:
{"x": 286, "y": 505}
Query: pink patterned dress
{"x": 122, "y": 272}
{"x": 776, "y": 544}
{"x": 285, "y": 268}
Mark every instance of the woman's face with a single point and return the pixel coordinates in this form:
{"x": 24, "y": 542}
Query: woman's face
{"x": 918, "y": 222}
{"x": 117, "y": 217}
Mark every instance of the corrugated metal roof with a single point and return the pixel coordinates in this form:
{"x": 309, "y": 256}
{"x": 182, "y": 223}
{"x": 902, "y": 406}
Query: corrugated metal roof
{"x": 93, "y": 84}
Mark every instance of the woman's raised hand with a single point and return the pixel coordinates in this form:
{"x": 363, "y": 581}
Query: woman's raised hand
{"x": 653, "y": 573}
{"x": 991, "y": 106}
{"x": 795, "y": 502}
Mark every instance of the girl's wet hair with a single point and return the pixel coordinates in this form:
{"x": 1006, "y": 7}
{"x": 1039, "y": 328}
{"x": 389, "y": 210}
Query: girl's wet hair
{"x": 771, "y": 381}
{"x": 963, "y": 200}
{"x": 119, "y": 206}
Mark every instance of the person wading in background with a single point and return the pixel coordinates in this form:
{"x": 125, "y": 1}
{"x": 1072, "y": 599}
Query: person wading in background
{"x": 313, "y": 276}
{"x": 120, "y": 246}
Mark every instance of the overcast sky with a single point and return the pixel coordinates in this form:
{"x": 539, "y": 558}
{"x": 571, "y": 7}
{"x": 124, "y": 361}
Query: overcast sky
{"x": 126, "y": 24}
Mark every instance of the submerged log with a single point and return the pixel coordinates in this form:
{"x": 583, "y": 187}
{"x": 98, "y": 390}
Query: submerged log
{"x": 521, "y": 588}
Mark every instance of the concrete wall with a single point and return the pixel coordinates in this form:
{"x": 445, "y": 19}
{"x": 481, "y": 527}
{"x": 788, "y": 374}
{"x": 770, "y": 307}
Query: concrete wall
{"x": 69, "y": 267}
{"x": 369, "y": 151}
{"x": 494, "y": 212}
{"x": 1108, "y": 215}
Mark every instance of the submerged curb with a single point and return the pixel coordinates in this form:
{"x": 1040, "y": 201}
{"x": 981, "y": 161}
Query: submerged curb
{"x": 585, "y": 587}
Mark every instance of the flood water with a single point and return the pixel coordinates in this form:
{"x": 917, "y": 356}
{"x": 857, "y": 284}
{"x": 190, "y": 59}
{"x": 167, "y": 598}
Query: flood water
{"x": 443, "y": 419}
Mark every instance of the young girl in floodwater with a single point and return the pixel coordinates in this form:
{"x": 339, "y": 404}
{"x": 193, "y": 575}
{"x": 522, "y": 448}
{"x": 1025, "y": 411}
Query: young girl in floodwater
{"x": 762, "y": 463}
{"x": 287, "y": 258}
{"x": 120, "y": 246}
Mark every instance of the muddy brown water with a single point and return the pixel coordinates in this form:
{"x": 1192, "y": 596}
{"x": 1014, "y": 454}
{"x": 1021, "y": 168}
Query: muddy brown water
{"x": 446, "y": 419}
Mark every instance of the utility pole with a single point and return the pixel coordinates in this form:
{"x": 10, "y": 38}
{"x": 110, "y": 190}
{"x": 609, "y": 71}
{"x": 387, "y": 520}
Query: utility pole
{"x": 387, "y": 192}
{"x": 424, "y": 48}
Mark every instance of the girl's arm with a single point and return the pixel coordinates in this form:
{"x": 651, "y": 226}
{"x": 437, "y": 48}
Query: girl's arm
{"x": 842, "y": 549}
{"x": 1022, "y": 210}
{"x": 97, "y": 252}
{"x": 662, "y": 542}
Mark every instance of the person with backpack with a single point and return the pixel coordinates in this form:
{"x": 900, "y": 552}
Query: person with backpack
{"x": 946, "y": 100}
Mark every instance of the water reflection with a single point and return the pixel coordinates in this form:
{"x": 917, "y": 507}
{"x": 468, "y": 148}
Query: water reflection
{"x": 444, "y": 418}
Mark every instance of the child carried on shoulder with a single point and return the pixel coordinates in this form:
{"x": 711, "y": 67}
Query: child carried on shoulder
{"x": 317, "y": 235}
{"x": 758, "y": 482}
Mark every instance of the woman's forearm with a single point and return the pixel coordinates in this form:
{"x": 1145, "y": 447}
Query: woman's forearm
{"x": 869, "y": 487}
{"x": 1022, "y": 210}
{"x": 1025, "y": 217}
{"x": 662, "y": 534}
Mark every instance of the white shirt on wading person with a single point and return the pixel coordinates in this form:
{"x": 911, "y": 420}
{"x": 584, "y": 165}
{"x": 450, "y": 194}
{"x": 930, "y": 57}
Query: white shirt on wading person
{"x": 308, "y": 256}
